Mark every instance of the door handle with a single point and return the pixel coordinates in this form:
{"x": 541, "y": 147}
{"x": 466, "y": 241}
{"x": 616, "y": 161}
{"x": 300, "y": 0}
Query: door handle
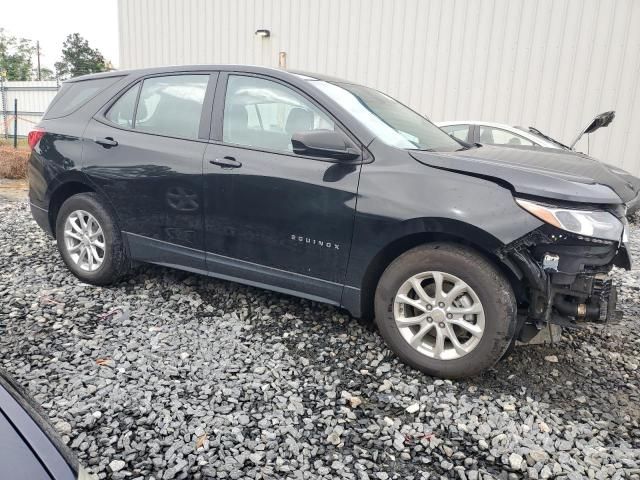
{"x": 106, "y": 142}
{"x": 226, "y": 162}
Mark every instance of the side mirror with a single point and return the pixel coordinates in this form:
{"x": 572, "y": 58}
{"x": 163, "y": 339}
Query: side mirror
{"x": 324, "y": 143}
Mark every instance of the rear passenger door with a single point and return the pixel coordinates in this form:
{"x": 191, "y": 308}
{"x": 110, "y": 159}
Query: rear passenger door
{"x": 272, "y": 216}
{"x": 144, "y": 151}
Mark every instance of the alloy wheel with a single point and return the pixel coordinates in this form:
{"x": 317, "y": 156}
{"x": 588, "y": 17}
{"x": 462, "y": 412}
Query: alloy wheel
{"x": 439, "y": 315}
{"x": 84, "y": 240}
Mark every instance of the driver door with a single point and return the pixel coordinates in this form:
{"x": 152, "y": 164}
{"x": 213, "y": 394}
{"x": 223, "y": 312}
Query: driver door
{"x": 271, "y": 216}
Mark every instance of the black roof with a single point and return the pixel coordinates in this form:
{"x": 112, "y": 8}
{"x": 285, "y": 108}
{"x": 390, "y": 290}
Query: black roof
{"x": 274, "y": 72}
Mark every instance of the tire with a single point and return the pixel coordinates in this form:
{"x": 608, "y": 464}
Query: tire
{"x": 455, "y": 266}
{"x": 113, "y": 257}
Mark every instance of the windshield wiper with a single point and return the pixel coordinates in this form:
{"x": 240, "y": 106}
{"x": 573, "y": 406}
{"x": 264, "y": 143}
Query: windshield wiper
{"x": 468, "y": 146}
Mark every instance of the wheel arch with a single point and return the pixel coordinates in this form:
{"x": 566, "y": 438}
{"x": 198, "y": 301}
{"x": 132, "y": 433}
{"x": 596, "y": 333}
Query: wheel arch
{"x": 433, "y": 231}
{"x": 61, "y": 193}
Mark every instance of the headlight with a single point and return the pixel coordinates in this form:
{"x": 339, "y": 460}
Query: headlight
{"x": 590, "y": 223}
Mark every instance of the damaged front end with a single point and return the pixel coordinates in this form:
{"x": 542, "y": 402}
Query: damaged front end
{"x": 565, "y": 275}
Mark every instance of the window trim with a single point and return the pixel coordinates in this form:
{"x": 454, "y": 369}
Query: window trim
{"x": 205, "y": 116}
{"x": 475, "y": 135}
{"x": 218, "y": 119}
{"x": 139, "y": 86}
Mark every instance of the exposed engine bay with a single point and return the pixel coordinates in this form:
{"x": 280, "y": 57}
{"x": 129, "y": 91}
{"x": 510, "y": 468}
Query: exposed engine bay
{"x": 565, "y": 279}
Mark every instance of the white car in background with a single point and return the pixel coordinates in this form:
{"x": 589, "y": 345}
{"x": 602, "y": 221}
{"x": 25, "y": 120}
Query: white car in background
{"x": 492, "y": 133}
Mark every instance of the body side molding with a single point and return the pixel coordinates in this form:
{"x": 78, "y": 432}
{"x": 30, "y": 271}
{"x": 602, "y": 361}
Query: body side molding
{"x": 167, "y": 254}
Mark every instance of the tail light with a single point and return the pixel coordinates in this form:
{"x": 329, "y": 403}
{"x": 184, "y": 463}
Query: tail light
{"x": 34, "y": 137}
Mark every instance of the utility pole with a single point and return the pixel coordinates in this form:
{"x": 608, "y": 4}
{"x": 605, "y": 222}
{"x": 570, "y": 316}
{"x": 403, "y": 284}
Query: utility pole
{"x": 38, "y": 53}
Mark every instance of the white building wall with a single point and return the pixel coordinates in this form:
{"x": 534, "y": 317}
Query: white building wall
{"x": 553, "y": 64}
{"x": 33, "y": 99}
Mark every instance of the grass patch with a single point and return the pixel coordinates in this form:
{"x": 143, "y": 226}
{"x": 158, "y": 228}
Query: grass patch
{"x": 13, "y": 161}
{"x": 8, "y": 142}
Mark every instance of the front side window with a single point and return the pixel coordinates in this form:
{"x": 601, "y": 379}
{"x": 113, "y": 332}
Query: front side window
{"x": 498, "y": 136}
{"x": 265, "y": 114}
{"x": 461, "y": 132}
{"x": 389, "y": 120}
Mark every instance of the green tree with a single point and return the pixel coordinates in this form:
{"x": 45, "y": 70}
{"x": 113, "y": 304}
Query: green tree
{"x": 15, "y": 56}
{"x": 45, "y": 74}
{"x": 78, "y": 58}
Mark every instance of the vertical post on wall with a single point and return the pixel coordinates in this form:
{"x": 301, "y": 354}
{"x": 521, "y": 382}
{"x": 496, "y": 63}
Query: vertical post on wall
{"x": 282, "y": 60}
{"x": 15, "y": 123}
{"x": 3, "y": 102}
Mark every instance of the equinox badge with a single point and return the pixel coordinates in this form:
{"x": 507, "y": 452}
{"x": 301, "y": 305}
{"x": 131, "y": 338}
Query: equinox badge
{"x": 313, "y": 241}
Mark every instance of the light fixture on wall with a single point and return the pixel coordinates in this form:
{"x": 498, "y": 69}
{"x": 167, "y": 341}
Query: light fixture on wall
{"x": 263, "y": 33}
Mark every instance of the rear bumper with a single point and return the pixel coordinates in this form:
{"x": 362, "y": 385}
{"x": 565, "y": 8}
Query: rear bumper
{"x": 41, "y": 216}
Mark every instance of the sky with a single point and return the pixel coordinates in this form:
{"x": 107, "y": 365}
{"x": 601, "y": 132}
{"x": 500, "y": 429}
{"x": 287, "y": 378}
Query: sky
{"x": 50, "y": 21}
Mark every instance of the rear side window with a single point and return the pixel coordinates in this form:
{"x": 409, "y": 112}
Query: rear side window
{"x": 75, "y": 94}
{"x": 121, "y": 113}
{"x": 172, "y": 105}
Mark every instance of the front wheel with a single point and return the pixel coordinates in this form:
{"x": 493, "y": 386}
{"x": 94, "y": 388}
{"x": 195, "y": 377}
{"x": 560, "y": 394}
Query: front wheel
{"x": 445, "y": 310}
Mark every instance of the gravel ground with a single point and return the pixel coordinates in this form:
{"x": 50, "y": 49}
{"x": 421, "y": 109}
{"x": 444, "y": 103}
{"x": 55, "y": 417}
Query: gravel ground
{"x": 169, "y": 375}
{"x": 13, "y": 190}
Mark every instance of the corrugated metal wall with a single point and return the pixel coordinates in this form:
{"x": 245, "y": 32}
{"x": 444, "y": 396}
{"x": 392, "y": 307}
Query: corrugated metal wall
{"x": 553, "y": 64}
{"x": 33, "y": 99}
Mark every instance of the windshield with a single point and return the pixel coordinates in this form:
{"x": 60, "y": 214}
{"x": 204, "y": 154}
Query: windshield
{"x": 389, "y": 120}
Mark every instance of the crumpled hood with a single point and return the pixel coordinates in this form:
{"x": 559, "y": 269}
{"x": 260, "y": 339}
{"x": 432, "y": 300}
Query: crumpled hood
{"x": 542, "y": 172}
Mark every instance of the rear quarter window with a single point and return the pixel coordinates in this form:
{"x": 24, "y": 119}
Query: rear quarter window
{"x": 73, "y": 95}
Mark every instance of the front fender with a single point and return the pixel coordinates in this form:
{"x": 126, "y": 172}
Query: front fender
{"x": 403, "y": 197}
{"x": 399, "y": 198}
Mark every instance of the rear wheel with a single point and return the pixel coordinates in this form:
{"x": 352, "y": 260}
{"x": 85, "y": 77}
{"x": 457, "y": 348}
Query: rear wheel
{"x": 90, "y": 241}
{"x": 445, "y": 310}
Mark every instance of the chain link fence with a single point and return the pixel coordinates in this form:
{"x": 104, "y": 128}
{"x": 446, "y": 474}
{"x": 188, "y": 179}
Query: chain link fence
{"x": 33, "y": 98}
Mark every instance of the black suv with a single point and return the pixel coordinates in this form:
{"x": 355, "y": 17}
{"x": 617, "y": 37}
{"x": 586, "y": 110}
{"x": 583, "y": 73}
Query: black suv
{"x": 332, "y": 191}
